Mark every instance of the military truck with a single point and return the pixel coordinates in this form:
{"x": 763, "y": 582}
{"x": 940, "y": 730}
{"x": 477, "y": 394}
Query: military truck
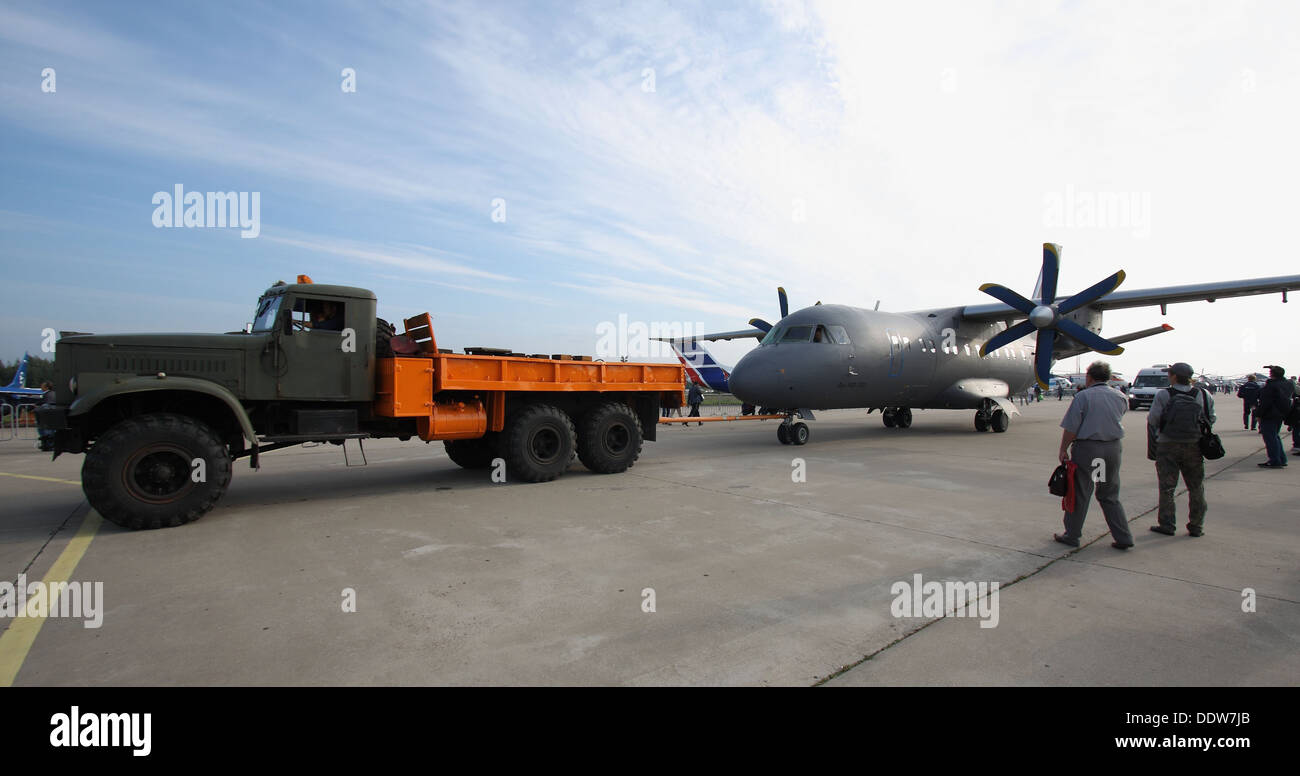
{"x": 162, "y": 417}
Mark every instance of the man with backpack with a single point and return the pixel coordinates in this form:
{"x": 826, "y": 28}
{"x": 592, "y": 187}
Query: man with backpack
{"x": 1249, "y": 395}
{"x": 1175, "y": 425}
{"x": 1274, "y": 408}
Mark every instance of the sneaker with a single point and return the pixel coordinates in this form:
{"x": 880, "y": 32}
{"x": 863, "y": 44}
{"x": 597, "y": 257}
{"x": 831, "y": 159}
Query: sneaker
{"x": 1272, "y": 465}
{"x": 1194, "y": 531}
{"x": 1063, "y": 539}
{"x": 1164, "y": 529}
{"x": 1119, "y": 546}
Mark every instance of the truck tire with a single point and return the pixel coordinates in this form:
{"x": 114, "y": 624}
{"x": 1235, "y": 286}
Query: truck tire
{"x": 609, "y": 438}
{"x": 384, "y": 332}
{"x": 539, "y": 443}
{"x": 470, "y": 453}
{"x": 140, "y": 473}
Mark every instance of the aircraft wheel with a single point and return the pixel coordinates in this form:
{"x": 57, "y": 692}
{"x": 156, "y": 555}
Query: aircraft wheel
{"x": 799, "y": 434}
{"x": 888, "y": 417}
{"x": 1000, "y": 421}
{"x": 783, "y": 433}
{"x": 981, "y": 421}
{"x": 903, "y": 417}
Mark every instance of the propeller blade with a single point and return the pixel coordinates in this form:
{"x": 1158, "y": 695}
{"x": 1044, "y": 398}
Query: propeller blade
{"x": 1091, "y": 294}
{"x": 785, "y": 303}
{"x": 1007, "y": 337}
{"x": 1043, "y": 357}
{"x": 1085, "y": 337}
{"x": 1008, "y": 297}
{"x": 760, "y": 324}
{"x": 1051, "y": 268}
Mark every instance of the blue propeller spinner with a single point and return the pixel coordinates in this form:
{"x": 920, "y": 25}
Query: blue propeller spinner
{"x": 1047, "y": 316}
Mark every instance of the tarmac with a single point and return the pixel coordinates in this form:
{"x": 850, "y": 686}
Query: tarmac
{"x": 707, "y": 563}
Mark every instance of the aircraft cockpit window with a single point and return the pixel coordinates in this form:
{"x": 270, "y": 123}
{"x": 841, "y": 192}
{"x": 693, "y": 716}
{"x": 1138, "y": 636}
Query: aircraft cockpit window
{"x": 838, "y": 334}
{"x": 773, "y": 335}
{"x": 797, "y": 334}
{"x": 819, "y": 334}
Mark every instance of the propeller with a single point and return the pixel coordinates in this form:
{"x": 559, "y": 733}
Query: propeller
{"x": 1047, "y": 316}
{"x": 764, "y": 326}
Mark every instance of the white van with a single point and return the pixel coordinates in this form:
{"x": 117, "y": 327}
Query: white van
{"x": 1147, "y": 383}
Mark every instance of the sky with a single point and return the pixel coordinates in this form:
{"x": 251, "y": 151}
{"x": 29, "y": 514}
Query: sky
{"x": 534, "y": 173}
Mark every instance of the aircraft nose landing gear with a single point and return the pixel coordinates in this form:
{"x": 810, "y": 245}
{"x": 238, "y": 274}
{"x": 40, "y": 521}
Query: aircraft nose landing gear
{"x": 793, "y": 433}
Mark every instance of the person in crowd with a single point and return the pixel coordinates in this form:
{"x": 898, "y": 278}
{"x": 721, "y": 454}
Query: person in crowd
{"x": 1174, "y": 428}
{"x": 1091, "y": 435}
{"x": 1274, "y": 405}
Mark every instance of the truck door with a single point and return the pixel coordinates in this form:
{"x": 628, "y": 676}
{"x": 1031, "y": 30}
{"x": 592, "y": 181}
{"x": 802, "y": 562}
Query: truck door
{"x": 317, "y": 353}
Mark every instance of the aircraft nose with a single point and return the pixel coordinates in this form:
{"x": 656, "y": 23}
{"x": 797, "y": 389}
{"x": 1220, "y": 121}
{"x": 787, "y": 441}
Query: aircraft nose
{"x": 750, "y": 381}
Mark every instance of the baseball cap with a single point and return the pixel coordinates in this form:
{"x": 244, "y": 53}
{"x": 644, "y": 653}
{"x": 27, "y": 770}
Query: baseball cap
{"x": 1182, "y": 369}
{"x": 1275, "y": 370}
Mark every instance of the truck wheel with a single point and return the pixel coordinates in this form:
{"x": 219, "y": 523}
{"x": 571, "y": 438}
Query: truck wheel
{"x": 141, "y": 473}
{"x": 539, "y": 444}
{"x": 384, "y": 332}
{"x": 609, "y": 440}
{"x": 470, "y": 453}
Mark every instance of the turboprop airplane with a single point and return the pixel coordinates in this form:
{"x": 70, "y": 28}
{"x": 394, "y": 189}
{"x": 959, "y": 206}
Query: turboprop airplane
{"x": 839, "y": 357}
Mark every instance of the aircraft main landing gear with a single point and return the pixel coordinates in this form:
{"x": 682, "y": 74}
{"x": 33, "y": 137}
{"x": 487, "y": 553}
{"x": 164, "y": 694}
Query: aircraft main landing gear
{"x": 896, "y": 417}
{"x": 992, "y": 417}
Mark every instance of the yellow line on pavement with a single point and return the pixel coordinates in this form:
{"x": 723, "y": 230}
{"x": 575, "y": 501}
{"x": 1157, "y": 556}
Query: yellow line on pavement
{"x": 17, "y": 640}
{"x": 34, "y": 477}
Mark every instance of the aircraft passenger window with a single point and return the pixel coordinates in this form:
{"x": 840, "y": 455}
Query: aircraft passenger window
{"x": 797, "y": 334}
{"x": 839, "y": 335}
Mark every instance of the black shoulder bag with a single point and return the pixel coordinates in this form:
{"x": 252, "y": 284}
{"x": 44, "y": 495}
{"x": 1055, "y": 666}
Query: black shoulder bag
{"x": 1211, "y": 445}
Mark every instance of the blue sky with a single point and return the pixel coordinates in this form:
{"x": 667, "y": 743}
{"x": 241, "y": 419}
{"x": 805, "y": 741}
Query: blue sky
{"x": 919, "y": 145}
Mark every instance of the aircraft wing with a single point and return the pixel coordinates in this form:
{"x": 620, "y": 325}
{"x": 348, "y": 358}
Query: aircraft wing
{"x": 726, "y": 335}
{"x": 1150, "y": 297}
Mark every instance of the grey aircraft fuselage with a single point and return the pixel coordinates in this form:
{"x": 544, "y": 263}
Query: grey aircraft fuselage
{"x": 927, "y": 359}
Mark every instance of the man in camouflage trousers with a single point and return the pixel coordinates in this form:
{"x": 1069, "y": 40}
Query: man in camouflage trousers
{"x": 1176, "y": 449}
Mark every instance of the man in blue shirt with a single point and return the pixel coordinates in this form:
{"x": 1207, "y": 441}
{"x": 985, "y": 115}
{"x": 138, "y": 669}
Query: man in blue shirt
{"x": 1092, "y": 430}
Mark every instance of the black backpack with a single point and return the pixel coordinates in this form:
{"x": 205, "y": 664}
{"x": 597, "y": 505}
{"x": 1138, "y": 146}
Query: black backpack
{"x": 1183, "y": 416}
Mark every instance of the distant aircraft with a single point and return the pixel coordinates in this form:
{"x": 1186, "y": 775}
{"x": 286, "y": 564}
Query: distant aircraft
{"x": 17, "y": 392}
{"x": 837, "y": 357}
{"x": 700, "y": 364}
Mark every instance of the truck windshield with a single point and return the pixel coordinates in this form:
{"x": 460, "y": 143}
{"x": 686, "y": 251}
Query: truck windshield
{"x": 268, "y": 309}
{"x": 1152, "y": 381}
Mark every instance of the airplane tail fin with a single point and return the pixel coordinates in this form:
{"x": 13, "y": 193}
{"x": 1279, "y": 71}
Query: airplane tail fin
{"x": 20, "y": 377}
{"x": 700, "y": 364}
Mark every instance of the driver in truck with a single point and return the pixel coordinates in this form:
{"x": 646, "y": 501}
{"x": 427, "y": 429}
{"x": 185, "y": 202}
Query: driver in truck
{"x": 327, "y": 317}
